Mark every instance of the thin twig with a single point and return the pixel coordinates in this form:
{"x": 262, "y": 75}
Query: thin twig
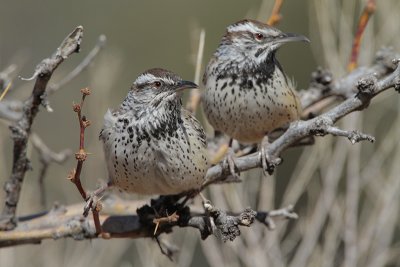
{"x": 194, "y": 98}
{"x": 369, "y": 9}
{"x": 46, "y": 157}
{"x": 5, "y": 90}
{"x": 275, "y": 17}
{"x": 21, "y": 129}
{"x": 166, "y": 249}
{"x": 267, "y": 218}
{"x": 81, "y": 155}
{"x": 5, "y": 75}
{"x": 81, "y": 67}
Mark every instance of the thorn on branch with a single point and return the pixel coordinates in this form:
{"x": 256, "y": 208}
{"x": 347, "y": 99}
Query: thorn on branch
{"x": 173, "y": 218}
{"x": 81, "y": 155}
{"x": 71, "y": 175}
{"x": 85, "y": 91}
{"x": 76, "y": 107}
{"x": 86, "y": 123}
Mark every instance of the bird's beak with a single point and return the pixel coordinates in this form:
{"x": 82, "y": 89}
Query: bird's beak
{"x": 185, "y": 85}
{"x": 290, "y": 37}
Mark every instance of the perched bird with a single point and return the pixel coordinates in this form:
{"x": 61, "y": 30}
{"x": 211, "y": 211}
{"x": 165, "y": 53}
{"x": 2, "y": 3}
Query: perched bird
{"x": 151, "y": 144}
{"x": 247, "y": 94}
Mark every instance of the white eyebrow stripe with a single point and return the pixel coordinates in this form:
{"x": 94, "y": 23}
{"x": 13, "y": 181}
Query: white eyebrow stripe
{"x": 145, "y": 78}
{"x": 243, "y": 27}
{"x": 168, "y": 80}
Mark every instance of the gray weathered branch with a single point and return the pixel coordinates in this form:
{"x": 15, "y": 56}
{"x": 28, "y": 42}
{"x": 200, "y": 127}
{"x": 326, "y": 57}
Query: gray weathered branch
{"x": 119, "y": 221}
{"x": 368, "y": 82}
{"x": 21, "y": 129}
{"x": 46, "y": 157}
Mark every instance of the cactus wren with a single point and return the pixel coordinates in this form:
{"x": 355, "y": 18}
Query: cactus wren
{"x": 152, "y": 145}
{"x": 247, "y": 93}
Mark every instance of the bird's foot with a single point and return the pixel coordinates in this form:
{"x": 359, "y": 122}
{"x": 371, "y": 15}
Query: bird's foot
{"x": 230, "y": 161}
{"x": 267, "y": 162}
{"x": 93, "y": 204}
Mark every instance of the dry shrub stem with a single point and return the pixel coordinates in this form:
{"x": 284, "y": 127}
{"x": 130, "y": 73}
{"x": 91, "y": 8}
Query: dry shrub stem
{"x": 276, "y": 16}
{"x": 80, "y": 156}
{"x": 368, "y": 11}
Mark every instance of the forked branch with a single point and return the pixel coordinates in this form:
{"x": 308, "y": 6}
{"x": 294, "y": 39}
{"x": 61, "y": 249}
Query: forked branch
{"x": 22, "y": 128}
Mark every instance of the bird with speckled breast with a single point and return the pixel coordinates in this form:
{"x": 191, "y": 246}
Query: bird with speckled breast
{"x": 151, "y": 144}
{"x": 247, "y": 94}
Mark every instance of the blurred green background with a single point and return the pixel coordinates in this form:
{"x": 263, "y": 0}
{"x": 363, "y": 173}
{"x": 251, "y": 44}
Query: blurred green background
{"x": 160, "y": 33}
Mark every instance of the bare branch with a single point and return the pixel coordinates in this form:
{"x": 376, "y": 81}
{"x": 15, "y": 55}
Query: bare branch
{"x": 323, "y": 84}
{"x": 81, "y": 67}
{"x": 354, "y": 136}
{"x": 68, "y": 222}
{"x": 21, "y": 129}
{"x": 46, "y": 157}
{"x": 267, "y": 218}
{"x": 368, "y": 87}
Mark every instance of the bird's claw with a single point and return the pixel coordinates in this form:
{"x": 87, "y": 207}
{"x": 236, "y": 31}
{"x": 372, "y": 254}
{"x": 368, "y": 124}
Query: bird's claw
{"x": 92, "y": 202}
{"x": 268, "y": 163}
{"x": 230, "y": 160}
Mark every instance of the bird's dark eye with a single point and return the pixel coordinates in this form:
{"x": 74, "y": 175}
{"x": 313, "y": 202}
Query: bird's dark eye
{"x": 259, "y": 36}
{"x": 157, "y": 84}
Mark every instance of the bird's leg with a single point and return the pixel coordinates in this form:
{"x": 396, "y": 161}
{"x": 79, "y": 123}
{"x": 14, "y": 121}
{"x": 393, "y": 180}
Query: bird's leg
{"x": 230, "y": 160}
{"x": 268, "y": 164}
